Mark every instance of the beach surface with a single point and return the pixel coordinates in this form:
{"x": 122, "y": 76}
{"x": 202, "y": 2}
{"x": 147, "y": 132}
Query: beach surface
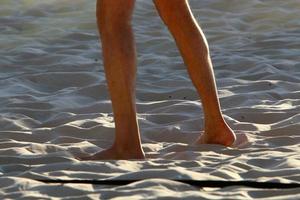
{"x": 54, "y": 102}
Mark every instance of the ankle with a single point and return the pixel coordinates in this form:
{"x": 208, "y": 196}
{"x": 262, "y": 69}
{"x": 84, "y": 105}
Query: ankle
{"x": 127, "y": 147}
{"x": 122, "y": 152}
{"x": 215, "y": 122}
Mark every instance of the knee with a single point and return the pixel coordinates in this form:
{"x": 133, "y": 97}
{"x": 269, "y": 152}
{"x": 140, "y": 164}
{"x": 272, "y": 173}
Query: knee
{"x": 114, "y": 13}
{"x": 171, "y": 12}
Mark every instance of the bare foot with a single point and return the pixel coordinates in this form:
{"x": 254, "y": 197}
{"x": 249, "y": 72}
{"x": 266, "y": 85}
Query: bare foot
{"x": 219, "y": 134}
{"x": 115, "y": 154}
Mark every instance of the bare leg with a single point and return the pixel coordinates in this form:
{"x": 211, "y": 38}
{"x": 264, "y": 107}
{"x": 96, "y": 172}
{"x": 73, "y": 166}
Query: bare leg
{"x": 193, "y": 47}
{"x": 119, "y": 54}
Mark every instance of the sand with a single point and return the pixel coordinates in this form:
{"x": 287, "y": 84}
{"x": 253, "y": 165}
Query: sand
{"x": 55, "y": 104}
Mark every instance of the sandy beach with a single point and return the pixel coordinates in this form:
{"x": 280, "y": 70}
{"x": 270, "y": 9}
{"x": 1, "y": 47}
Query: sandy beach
{"x": 54, "y": 102}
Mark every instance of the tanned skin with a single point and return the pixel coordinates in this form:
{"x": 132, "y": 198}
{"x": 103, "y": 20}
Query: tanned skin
{"x": 119, "y": 56}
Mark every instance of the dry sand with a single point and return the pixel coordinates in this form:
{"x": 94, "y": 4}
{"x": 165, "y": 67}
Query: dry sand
{"x": 54, "y": 102}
